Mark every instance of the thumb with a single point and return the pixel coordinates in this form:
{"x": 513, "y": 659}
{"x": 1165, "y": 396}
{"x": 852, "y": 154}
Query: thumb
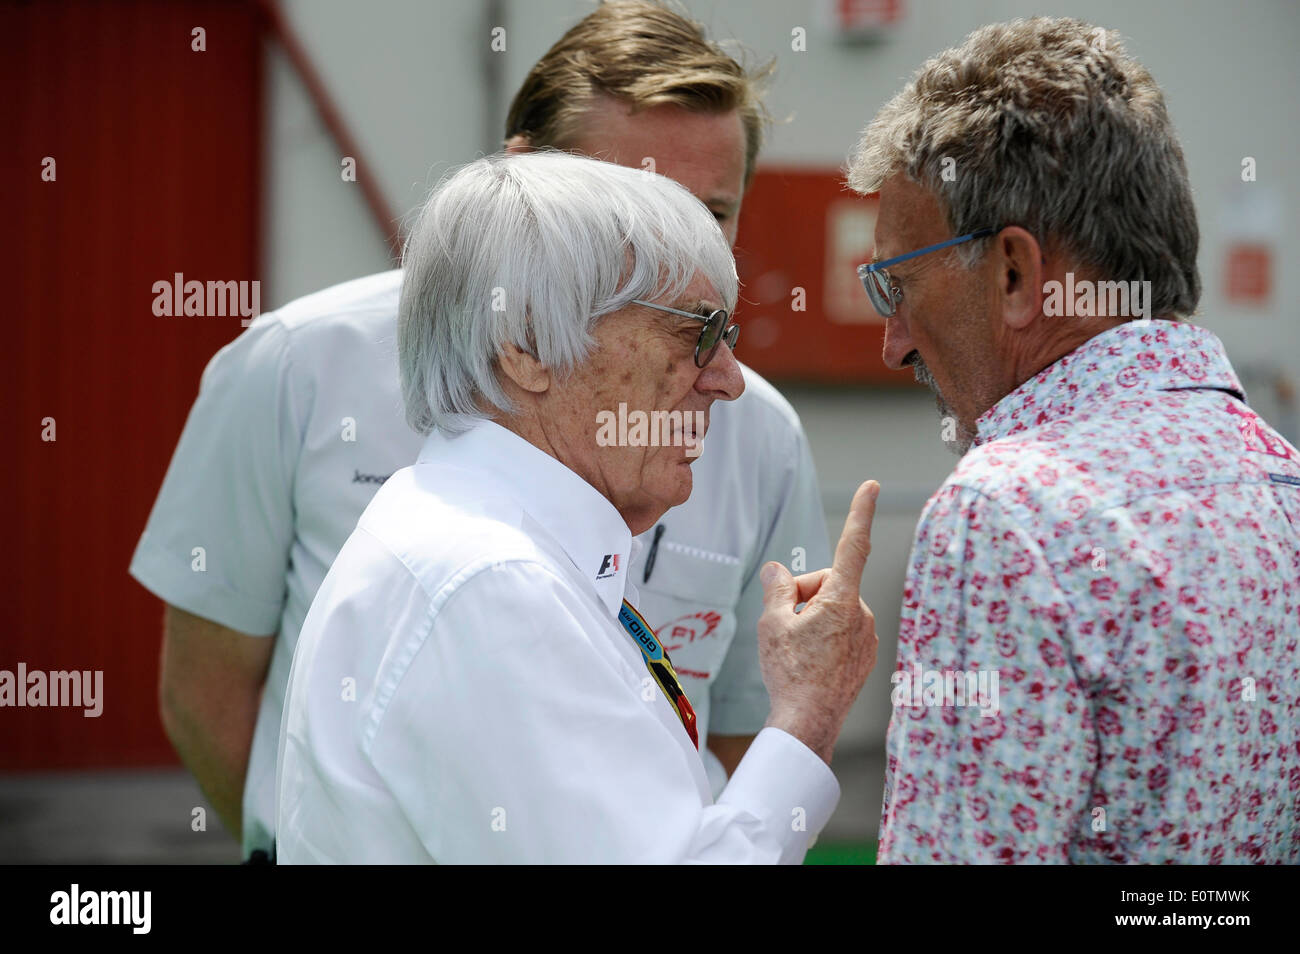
{"x": 779, "y": 589}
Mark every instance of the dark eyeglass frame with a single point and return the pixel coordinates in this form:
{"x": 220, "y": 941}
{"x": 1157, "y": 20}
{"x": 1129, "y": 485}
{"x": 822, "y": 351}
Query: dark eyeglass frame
{"x": 717, "y": 329}
{"x": 882, "y": 291}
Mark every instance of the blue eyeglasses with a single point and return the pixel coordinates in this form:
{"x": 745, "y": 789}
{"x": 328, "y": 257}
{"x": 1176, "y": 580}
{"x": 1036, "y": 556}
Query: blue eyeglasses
{"x": 882, "y": 291}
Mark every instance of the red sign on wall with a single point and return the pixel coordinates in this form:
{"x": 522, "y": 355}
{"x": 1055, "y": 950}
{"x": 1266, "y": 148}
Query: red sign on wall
{"x": 803, "y": 312}
{"x": 1249, "y": 273}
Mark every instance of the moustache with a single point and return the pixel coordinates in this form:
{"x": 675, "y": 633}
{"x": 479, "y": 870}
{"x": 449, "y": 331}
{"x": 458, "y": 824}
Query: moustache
{"x": 921, "y": 371}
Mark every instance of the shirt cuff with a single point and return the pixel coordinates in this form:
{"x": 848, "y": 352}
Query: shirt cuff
{"x": 787, "y": 786}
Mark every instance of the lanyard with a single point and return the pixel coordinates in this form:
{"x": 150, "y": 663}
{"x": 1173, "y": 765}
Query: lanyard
{"x": 660, "y": 666}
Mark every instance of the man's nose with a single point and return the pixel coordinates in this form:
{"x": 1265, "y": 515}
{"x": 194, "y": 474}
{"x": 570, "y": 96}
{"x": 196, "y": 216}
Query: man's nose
{"x": 898, "y": 343}
{"x": 722, "y": 378}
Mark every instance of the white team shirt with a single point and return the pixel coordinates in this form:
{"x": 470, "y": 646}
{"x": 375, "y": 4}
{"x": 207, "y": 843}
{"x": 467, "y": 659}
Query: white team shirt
{"x": 463, "y": 692}
{"x": 299, "y": 421}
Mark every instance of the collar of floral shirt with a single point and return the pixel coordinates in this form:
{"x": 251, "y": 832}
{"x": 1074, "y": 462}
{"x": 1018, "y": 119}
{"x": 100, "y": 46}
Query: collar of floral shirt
{"x": 1142, "y": 355}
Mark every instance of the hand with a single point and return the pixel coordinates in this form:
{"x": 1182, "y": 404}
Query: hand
{"x": 815, "y": 661}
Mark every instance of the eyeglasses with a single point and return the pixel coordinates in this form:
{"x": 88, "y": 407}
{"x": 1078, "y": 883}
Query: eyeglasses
{"x": 882, "y": 291}
{"x": 715, "y": 331}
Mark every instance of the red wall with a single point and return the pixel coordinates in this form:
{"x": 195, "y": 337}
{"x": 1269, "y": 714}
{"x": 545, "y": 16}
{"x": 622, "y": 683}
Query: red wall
{"x": 800, "y": 229}
{"x": 158, "y": 155}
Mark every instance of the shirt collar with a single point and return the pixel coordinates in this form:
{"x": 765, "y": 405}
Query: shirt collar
{"x": 1154, "y": 355}
{"x": 584, "y": 523}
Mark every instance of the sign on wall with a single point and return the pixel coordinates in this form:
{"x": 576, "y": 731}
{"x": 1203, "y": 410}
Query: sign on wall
{"x": 803, "y": 313}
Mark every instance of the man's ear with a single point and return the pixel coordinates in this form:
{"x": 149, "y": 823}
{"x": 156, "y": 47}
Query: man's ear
{"x": 524, "y": 370}
{"x": 1018, "y": 278}
{"x": 518, "y": 143}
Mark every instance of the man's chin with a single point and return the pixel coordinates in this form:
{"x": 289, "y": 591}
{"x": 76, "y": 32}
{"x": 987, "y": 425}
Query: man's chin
{"x": 688, "y": 482}
{"x": 684, "y": 484}
{"x": 962, "y": 439}
{"x": 649, "y": 507}
{"x": 674, "y": 488}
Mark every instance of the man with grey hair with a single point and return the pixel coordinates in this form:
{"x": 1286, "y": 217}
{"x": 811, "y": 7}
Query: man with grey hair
{"x": 298, "y": 422}
{"x": 502, "y": 698}
{"x": 1097, "y": 651}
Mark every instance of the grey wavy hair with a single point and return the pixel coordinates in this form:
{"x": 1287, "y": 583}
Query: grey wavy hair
{"x": 1051, "y": 126}
{"x": 534, "y": 249}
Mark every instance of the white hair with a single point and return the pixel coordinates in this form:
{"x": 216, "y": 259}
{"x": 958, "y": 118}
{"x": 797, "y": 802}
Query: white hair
{"x": 534, "y": 249}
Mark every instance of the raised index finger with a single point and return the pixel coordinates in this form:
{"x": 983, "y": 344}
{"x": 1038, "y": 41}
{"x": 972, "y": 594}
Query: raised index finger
{"x": 855, "y": 542}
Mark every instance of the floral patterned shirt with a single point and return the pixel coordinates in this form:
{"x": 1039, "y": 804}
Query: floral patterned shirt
{"x": 1118, "y": 558}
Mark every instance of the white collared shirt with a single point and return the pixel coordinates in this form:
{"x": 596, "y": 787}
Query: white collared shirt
{"x": 463, "y": 691}
{"x": 299, "y": 421}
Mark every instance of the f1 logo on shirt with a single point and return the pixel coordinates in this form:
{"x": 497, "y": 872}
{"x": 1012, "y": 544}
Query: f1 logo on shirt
{"x": 611, "y": 560}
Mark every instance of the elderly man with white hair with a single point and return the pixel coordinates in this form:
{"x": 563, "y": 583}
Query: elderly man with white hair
{"x": 298, "y": 421}
{"x": 473, "y": 682}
